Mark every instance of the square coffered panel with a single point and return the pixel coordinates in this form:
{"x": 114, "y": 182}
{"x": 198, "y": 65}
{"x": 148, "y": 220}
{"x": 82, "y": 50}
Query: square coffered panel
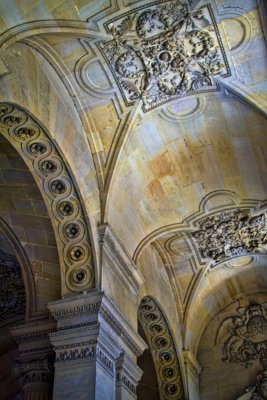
{"x": 163, "y": 51}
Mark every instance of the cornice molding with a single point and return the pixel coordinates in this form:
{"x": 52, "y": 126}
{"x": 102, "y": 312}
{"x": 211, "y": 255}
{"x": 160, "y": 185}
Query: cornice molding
{"x": 90, "y": 312}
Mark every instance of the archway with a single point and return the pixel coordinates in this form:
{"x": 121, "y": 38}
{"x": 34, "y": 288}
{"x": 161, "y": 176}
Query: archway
{"x": 162, "y": 351}
{"x": 59, "y": 193}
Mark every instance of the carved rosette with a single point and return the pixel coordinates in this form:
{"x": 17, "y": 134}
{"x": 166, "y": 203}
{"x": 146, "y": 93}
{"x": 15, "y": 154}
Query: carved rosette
{"x": 163, "y": 350}
{"x": 163, "y": 51}
{"x": 229, "y": 234}
{"x": 60, "y": 194}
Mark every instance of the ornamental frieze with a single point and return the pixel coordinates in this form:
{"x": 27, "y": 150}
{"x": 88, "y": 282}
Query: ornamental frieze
{"x": 229, "y": 234}
{"x": 163, "y": 51}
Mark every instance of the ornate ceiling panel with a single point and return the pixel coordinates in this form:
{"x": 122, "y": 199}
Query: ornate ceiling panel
{"x": 162, "y": 51}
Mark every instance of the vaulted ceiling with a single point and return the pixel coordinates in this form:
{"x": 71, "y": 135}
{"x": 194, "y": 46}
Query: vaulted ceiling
{"x": 159, "y": 112}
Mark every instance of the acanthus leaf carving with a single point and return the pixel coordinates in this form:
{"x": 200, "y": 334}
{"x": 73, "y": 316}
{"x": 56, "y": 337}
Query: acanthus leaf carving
{"x": 164, "y": 51}
{"x": 231, "y": 233}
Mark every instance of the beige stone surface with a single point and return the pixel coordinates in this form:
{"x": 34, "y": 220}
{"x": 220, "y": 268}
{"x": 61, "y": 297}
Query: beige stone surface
{"x": 147, "y": 177}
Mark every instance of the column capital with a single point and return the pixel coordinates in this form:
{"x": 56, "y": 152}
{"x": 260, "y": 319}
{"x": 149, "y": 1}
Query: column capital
{"x": 94, "y": 342}
{"x": 83, "y": 314}
{"x": 34, "y": 372}
{"x": 34, "y": 365}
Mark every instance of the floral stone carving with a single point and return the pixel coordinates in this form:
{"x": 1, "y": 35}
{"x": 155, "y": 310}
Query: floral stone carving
{"x": 163, "y": 51}
{"x": 231, "y": 234}
{"x": 244, "y": 338}
{"x": 12, "y": 292}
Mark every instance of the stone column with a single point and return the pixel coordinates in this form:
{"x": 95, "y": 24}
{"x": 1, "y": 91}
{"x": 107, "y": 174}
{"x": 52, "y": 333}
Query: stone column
{"x": 36, "y": 378}
{"x": 34, "y": 365}
{"x": 192, "y": 371}
{"x": 96, "y": 350}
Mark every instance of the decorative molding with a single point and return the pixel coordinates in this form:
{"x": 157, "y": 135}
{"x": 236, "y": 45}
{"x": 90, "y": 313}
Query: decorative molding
{"x": 89, "y": 327}
{"x": 176, "y": 112}
{"x": 93, "y": 310}
{"x": 163, "y": 51}
{"x": 60, "y": 194}
{"x": 77, "y": 354}
{"x": 121, "y": 260}
{"x": 214, "y": 234}
{"x": 128, "y": 374}
{"x": 163, "y": 349}
{"x": 33, "y": 338}
{"x": 12, "y": 290}
{"x": 244, "y": 341}
{"x": 229, "y": 234}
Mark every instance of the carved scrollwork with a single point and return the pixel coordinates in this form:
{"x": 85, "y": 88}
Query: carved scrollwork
{"x": 244, "y": 341}
{"x": 231, "y": 233}
{"x": 162, "y": 348}
{"x": 39, "y": 151}
{"x": 164, "y": 51}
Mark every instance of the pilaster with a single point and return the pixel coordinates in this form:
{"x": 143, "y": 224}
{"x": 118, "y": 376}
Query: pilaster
{"x": 119, "y": 271}
{"x": 96, "y": 349}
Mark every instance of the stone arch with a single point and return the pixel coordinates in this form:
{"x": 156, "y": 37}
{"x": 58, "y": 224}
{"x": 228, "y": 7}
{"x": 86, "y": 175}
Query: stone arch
{"x": 160, "y": 341}
{"x": 59, "y": 192}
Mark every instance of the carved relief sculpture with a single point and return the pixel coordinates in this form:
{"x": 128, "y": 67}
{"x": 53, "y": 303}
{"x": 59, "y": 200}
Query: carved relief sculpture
{"x": 12, "y": 291}
{"x": 231, "y": 234}
{"x": 244, "y": 341}
{"x": 163, "y": 51}
{"x": 163, "y": 350}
